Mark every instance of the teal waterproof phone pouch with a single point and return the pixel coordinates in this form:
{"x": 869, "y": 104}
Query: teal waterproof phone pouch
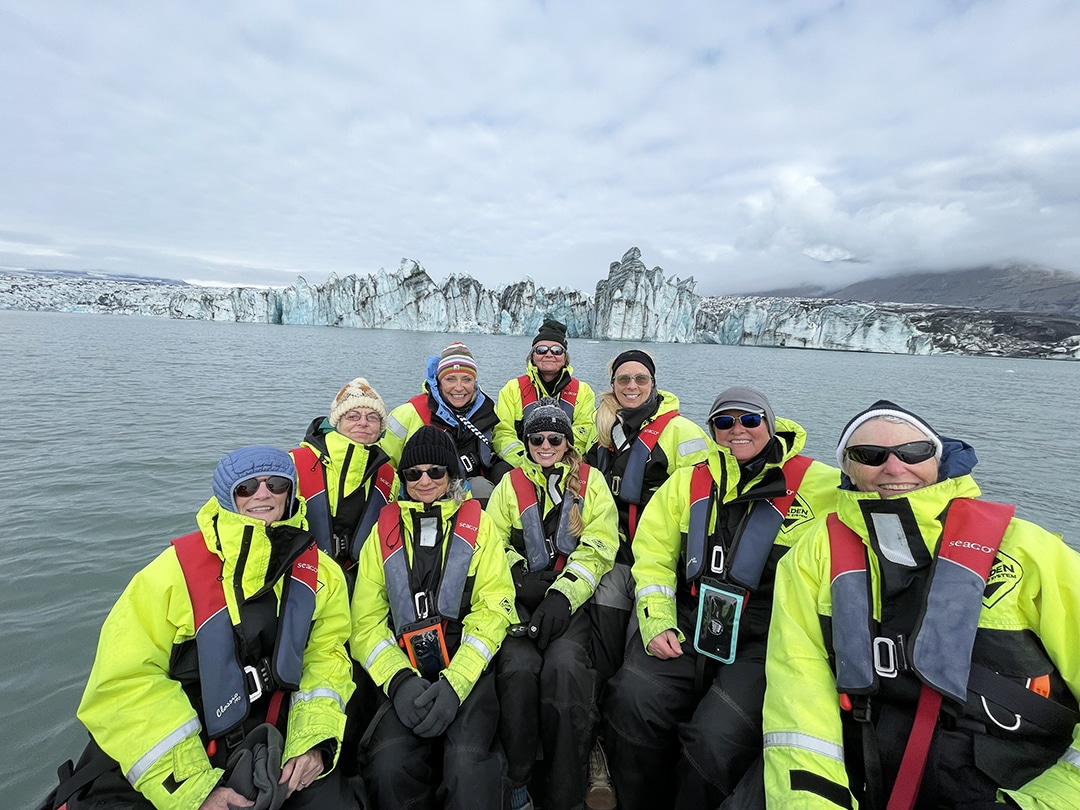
{"x": 720, "y": 607}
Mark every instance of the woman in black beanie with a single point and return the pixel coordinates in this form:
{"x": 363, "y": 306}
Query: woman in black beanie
{"x": 432, "y": 603}
{"x": 548, "y": 373}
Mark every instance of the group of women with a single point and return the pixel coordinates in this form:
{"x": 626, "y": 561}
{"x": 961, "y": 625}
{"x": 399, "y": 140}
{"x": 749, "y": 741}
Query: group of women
{"x": 467, "y": 601}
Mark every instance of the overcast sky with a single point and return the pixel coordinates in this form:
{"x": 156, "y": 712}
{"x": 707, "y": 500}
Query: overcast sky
{"x": 751, "y": 145}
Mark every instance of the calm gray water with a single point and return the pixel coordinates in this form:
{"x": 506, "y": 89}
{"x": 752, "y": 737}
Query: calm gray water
{"x": 110, "y": 428}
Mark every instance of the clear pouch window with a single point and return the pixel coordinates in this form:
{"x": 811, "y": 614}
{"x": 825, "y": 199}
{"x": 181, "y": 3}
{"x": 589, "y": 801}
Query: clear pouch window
{"x": 425, "y": 644}
{"x": 720, "y": 607}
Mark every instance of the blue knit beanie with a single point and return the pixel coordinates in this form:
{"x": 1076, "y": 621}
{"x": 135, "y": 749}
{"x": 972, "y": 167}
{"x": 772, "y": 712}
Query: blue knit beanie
{"x": 250, "y": 462}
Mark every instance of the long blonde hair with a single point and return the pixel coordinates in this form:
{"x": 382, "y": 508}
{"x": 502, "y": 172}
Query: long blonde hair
{"x": 606, "y": 416}
{"x": 572, "y": 459}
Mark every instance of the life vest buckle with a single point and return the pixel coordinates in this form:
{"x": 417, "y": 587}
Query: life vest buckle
{"x": 886, "y": 659}
{"x": 260, "y": 679}
{"x": 339, "y": 547}
{"x": 422, "y": 604}
{"x": 716, "y": 561}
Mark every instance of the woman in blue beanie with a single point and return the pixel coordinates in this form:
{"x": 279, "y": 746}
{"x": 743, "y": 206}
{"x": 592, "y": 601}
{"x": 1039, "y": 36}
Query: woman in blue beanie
{"x": 171, "y": 713}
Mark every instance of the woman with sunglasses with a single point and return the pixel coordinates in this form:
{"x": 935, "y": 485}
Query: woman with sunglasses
{"x": 453, "y": 401}
{"x": 684, "y": 712}
{"x": 548, "y": 374}
{"x": 432, "y": 604}
{"x": 168, "y": 709}
{"x": 560, "y": 527}
{"x": 948, "y": 627}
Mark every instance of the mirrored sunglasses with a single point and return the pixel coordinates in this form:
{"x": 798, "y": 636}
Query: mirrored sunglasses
{"x": 277, "y": 484}
{"x": 538, "y": 439}
{"x": 874, "y": 455}
{"x": 556, "y": 351}
{"x": 747, "y": 420}
{"x": 436, "y": 472}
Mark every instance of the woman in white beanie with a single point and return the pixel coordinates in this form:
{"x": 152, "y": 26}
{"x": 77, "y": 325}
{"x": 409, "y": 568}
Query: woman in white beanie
{"x": 345, "y": 476}
{"x": 923, "y": 649}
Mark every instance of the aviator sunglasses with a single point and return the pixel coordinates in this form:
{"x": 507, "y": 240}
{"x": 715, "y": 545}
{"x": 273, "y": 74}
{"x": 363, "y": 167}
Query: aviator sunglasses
{"x": 747, "y": 420}
{"x": 556, "y": 351}
{"x": 537, "y": 440}
{"x": 277, "y": 484}
{"x": 435, "y": 473}
{"x": 874, "y": 455}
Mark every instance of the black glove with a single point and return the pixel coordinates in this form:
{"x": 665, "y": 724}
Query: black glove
{"x": 550, "y": 619}
{"x": 253, "y": 769}
{"x": 533, "y": 587}
{"x": 442, "y": 705}
{"x": 404, "y": 697}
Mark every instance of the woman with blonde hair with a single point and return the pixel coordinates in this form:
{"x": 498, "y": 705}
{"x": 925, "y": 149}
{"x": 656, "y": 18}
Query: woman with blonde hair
{"x": 560, "y": 529}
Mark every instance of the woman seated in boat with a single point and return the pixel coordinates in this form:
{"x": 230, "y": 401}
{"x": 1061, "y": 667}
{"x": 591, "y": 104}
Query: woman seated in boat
{"x": 242, "y": 622}
{"x": 345, "y": 477}
{"x": 923, "y": 644}
{"x": 548, "y": 374}
{"x": 683, "y": 713}
{"x": 558, "y": 521}
{"x": 432, "y": 603}
{"x": 454, "y": 402}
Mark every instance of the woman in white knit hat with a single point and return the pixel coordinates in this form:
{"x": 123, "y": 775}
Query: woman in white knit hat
{"x": 452, "y": 400}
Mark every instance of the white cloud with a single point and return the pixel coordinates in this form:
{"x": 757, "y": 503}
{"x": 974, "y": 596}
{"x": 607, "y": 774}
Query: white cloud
{"x": 740, "y": 144}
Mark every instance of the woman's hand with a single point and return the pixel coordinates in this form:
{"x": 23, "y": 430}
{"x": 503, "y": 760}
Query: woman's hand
{"x": 224, "y": 798}
{"x": 299, "y": 772}
{"x": 665, "y": 645}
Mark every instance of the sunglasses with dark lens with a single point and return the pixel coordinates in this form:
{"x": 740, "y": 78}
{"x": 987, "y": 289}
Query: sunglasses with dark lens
{"x": 277, "y": 484}
{"x": 414, "y": 474}
{"x": 747, "y": 420}
{"x": 874, "y": 455}
{"x": 556, "y": 351}
{"x": 538, "y": 439}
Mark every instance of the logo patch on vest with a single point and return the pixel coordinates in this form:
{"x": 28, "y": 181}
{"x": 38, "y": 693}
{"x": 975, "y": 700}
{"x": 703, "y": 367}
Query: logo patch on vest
{"x": 798, "y": 514}
{"x": 507, "y": 607}
{"x": 1004, "y": 575}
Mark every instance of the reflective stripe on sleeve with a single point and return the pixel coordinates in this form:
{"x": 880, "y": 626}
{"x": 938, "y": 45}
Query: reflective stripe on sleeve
{"x": 1072, "y": 756}
{"x": 816, "y": 745}
{"x": 691, "y": 446}
{"x": 578, "y": 569}
{"x": 171, "y": 740}
{"x": 515, "y": 448}
{"x": 479, "y": 646}
{"x": 395, "y": 427}
{"x": 321, "y": 692}
{"x": 664, "y": 590}
{"x": 382, "y": 645}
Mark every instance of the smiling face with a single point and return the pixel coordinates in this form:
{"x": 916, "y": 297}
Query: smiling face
{"x": 545, "y": 455}
{"x": 427, "y": 491}
{"x": 632, "y": 384}
{"x": 549, "y": 365}
{"x": 894, "y": 477}
{"x": 458, "y": 389}
{"x": 743, "y": 442}
{"x": 264, "y": 504}
{"x": 362, "y": 425}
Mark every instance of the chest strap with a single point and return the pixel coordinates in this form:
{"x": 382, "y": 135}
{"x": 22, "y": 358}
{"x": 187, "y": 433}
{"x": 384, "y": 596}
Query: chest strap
{"x": 456, "y": 562}
{"x": 537, "y": 552}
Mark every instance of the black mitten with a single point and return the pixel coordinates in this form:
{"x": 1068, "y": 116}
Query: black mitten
{"x": 254, "y": 768}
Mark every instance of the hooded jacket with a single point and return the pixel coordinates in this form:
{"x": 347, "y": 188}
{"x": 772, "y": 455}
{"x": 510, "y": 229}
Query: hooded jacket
{"x": 405, "y": 420}
{"x": 159, "y": 741}
{"x": 489, "y": 592}
{"x": 509, "y": 441}
{"x": 1027, "y": 628}
{"x": 594, "y": 555}
{"x": 664, "y": 598}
